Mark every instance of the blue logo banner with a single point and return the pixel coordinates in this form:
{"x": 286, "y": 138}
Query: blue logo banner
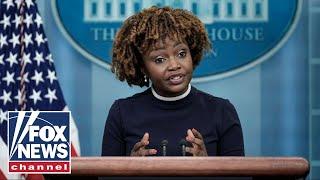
{"x": 244, "y": 33}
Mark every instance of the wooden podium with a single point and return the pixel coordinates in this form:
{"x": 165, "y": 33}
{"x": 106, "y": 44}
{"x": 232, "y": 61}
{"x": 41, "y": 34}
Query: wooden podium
{"x": 205, "y": 167}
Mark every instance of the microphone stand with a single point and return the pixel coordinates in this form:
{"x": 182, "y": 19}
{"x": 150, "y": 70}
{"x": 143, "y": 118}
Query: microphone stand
{"x": 183, "y": 144}
{"x": 164, "y": 144}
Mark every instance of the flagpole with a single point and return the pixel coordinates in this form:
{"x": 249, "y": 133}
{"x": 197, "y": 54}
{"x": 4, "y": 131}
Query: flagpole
{"x": 22, "y": 98}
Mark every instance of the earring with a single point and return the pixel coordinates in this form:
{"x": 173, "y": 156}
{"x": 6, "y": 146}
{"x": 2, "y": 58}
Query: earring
{"x": 145, "y": 79}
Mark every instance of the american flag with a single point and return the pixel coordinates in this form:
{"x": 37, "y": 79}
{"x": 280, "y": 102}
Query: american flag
{"x": 28, "y": 78}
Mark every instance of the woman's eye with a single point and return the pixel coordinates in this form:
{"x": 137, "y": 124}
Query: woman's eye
{"x": 159, "y": 60}
{"x": 182, "y": 54}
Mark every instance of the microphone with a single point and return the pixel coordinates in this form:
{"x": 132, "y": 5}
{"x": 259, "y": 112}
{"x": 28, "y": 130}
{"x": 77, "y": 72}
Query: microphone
{"x": 183, "y": 144}
{"x": 164, "y": 144}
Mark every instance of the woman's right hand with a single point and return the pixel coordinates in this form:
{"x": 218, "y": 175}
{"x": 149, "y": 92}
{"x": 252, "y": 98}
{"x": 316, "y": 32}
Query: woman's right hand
{"x": 139, "y": 149}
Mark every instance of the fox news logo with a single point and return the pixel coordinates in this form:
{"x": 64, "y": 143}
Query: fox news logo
{"x": 39, "y": 142}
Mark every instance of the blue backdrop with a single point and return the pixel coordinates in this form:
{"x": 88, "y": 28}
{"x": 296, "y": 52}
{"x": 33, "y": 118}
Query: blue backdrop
{"x": 277, "y": 101}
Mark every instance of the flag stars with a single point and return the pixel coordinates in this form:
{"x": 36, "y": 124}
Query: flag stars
{"x": 39, "y": 38}
{"x": 51, "y": 95}
{"x": 38, "y": 20}
{"x": 35, "y": 96}
{"x": 3, "y": 40}
{"x": 37, "y": 77}
{"x": 5, "y": 97}
{"x": 25, "y": 77}
{"x": 29, "y": 3}
{"x": 51, "y": 76}
{"x": 28, "y": 20}
{"x": 26, "y": 59}
{"x": 12, "y": 59}
{"x": 8, "y": 3}
{"x": 16, "y": 21}
{"x": 18, "y": 2}
{"x": 18, "y": 97}
{"x": 31, "y": 109}
{"x": 14, "y": 40}
{"x": 42, "y": 90}
{"x": 9, "y": 78}
{"x": 27, "y": 39}
{"x": 3, "y": 116}
{"x": 5, "y": 21}
{"x": 1, "y": 59}
{"x": 49, "y": 58}
{"x": 39, "y": 58}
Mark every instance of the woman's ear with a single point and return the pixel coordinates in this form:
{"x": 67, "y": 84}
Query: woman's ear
{"x": 144, "y": 71}
{"x": 145, "y": 76}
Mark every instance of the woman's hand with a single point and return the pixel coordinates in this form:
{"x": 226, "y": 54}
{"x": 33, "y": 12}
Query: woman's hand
{"x": 198, "y": 147}
{"x": 139, "y": 149}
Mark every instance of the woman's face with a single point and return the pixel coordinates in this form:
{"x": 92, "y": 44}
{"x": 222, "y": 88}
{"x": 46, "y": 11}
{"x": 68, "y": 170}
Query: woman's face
{"x": 169, "y": 67}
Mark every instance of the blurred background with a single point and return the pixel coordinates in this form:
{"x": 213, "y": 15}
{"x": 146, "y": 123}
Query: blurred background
{"x": 278, "y": 100}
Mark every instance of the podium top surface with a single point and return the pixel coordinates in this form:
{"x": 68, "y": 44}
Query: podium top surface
{"x": 190, "y": 166}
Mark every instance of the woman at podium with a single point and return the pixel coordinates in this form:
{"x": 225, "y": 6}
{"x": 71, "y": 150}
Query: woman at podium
{"x": 160, "y": 48}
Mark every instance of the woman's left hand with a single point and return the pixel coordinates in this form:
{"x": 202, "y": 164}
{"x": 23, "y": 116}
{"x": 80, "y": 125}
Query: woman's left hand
{"x": 198, "y": 147}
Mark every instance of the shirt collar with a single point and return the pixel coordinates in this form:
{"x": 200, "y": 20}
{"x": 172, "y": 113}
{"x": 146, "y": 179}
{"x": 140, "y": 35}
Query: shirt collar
{"x": 176, "y": 98}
